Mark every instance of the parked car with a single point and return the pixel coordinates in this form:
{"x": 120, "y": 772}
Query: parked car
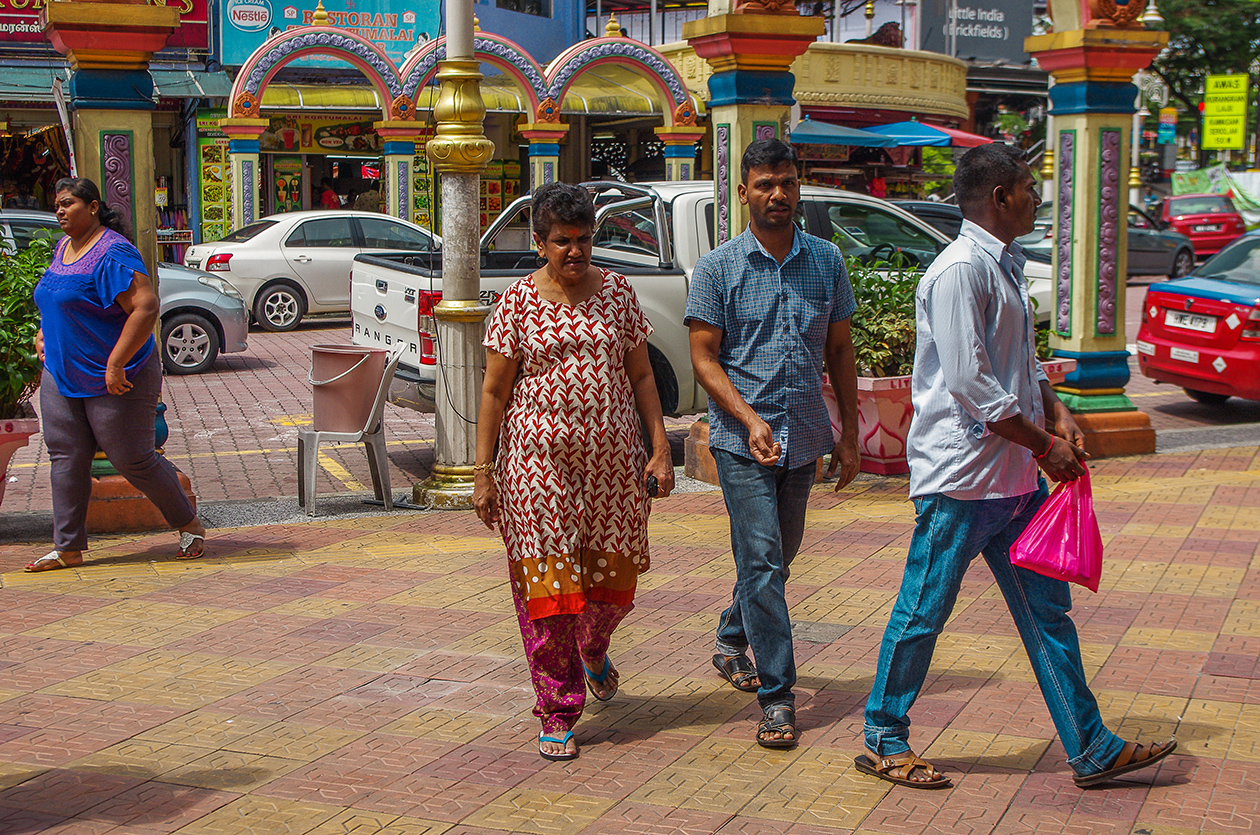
{"x": 1202, "y": 332}
{"x": 653, "y": 233}
{"x": 202, "y": 315}
{"x": 288, "y": 265}
{"x": 1210, "y": 220}
{"x": 944, "y": 217}
{"x": 1152, "y": 250}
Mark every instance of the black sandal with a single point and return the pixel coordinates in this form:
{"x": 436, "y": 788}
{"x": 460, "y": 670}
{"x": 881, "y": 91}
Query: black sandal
{"x": 737, "y": 670}
{"x": 780, "y": 719}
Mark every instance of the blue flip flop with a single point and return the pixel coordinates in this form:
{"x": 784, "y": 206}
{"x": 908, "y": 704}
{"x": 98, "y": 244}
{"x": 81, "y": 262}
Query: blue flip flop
{"x": 563, "y": 741}
{"x": 591, "y": 679}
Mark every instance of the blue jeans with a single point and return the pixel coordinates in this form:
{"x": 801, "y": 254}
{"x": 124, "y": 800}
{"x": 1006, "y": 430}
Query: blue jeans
{"x": 947, "y": 536}
{"x": 767, "y": 510}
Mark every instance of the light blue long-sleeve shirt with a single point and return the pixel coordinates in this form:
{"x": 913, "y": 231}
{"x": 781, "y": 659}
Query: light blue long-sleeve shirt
{"x": 975, "y": 363}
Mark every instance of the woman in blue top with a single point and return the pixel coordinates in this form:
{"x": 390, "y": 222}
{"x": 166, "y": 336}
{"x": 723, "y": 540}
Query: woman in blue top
{"x": 102, "y": 374}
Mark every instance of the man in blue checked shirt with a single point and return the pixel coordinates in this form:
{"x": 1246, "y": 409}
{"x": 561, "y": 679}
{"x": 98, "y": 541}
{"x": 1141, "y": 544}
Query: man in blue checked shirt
{"x": 977, "y": 439}
{"x": 767, "y": 312}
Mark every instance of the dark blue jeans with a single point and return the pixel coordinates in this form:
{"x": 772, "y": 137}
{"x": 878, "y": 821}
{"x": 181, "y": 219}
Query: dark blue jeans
{"x": 767, "y": 510}
{"x": 948, "y": 535}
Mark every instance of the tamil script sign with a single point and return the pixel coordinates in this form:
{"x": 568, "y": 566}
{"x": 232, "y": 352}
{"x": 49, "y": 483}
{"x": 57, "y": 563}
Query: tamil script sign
{"x": 396, "y": 26}
{"x": 991, "y": 30}
{"x": 1225, "y": 112}
{"x": 19, "y": 22}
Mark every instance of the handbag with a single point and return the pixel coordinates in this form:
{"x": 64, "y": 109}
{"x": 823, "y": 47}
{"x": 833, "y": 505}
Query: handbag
{"x": 1062, "y": 540}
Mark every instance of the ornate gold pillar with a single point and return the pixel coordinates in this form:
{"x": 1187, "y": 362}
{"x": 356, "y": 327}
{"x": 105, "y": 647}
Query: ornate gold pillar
{"x": 459, "y": 154}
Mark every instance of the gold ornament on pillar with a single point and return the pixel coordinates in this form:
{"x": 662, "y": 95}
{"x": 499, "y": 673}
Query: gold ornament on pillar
{"x": 612, "y": 29}
{"x": 320, "y": 18}
{"x": 460, "y": 146}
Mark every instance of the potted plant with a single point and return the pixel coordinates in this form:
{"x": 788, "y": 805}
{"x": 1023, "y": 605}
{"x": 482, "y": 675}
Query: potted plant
{"x": 883, "y": 329}
{"x": 20, "y": 368}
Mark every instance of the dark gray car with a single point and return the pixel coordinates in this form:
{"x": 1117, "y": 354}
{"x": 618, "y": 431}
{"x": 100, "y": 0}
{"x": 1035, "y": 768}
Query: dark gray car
{"x": 202, "y": 315}
{"x": 1152, "y": 251}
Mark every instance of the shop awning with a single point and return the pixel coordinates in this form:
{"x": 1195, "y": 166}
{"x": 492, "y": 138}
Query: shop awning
{"x": 809, "y": 132}
{"x": 918, "y": 134}
{"x": 35, "y": 83}
{"x": 30, "y": 83}
{"x": 191, "y": 84}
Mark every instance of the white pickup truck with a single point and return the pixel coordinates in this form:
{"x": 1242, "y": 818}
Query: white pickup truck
{"x": 392, "y": 295}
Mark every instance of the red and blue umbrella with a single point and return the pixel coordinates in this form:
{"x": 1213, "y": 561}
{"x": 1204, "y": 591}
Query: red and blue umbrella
{"x": 916, "y": 133}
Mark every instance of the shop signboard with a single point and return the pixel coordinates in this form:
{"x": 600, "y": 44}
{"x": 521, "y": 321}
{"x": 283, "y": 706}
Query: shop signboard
{"x": 287, "y": 173}
{"x": 1225, "y": 112}
{"x": 19, "y": 22}
{"x": 396, "y": 26}
{"x": 297, "y": 134}
{"x": 989, "y": 30}
{"x": 1167, "y": 126}
{"x": 214, "y": 176}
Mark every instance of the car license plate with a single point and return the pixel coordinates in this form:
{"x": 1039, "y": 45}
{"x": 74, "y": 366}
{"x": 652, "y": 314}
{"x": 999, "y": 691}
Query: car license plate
{"x": 1184, "y": 355}
{"x": 1190, "y": 321}
{"x": 1206, "y": 227}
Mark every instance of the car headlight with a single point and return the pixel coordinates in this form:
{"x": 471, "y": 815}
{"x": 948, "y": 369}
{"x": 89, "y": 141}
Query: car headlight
{"x": 219, "y": 284}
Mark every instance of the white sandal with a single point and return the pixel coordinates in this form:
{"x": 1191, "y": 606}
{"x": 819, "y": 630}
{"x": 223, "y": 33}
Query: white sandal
{"x": 51, "y": 556}
{"x": 186, "y": 542}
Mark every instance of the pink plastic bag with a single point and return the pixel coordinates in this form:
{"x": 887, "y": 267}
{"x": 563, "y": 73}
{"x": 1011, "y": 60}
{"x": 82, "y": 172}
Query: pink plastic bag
{"x": 1062, "y": 540}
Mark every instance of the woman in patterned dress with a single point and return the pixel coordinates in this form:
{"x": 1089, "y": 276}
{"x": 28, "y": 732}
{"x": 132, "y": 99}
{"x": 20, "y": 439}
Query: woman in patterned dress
{"x": 567, "y": 382}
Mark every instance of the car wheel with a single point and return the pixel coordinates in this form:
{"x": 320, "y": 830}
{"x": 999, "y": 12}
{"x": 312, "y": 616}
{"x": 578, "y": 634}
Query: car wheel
{"x": 1182, "y": 264}
{"x": 1206, "y": 397}
{"x": 190, "y": 344}
{"x": 279, "y": 307}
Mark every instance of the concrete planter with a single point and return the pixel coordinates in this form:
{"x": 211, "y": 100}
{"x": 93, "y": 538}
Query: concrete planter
{"x": 14, "y": 434}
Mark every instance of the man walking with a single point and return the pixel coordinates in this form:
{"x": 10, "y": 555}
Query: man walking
{"x": 767, "y": 311}
{"x": 981, "y": 402}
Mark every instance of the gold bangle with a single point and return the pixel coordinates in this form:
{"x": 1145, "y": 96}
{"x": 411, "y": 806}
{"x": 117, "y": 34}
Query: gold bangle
{"x": 488, "y": 468}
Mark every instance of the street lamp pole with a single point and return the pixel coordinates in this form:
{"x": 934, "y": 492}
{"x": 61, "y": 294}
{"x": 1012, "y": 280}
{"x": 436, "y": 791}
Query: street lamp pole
{"x": 458, "y": 153}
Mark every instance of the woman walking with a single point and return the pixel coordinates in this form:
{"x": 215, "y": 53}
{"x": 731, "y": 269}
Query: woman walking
{"x": 102, "y": 374}
{"x": 567, "y": 381}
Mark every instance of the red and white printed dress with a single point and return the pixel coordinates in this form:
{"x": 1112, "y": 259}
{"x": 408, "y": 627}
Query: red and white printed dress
{"x": 571, "y": 459}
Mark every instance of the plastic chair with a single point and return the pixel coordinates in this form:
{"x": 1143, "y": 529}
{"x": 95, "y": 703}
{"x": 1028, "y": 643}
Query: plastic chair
{"x": 372, "y": 436}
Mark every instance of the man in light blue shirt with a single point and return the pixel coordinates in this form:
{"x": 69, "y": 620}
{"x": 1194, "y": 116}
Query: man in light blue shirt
{"x": 767, "y": 311}
{"x": 976, "y": 441}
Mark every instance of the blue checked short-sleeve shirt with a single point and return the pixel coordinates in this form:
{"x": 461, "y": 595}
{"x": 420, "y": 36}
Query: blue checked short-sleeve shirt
{"x": 774, "y": 320}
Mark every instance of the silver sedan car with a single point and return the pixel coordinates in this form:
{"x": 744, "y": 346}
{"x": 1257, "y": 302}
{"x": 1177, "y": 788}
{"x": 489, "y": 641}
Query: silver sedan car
{"x": 288, "y": 265}
{"x": 202, "y": 316}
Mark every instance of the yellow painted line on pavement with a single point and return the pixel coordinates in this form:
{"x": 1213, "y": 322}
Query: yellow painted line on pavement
{"x": 267, "y": 451}
{"x": 1158, "y": 394}
{"x": 340, "y": 473}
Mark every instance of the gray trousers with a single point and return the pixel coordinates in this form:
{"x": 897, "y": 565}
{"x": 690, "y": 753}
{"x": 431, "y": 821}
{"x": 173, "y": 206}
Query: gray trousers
{"x": 122, "y": 426}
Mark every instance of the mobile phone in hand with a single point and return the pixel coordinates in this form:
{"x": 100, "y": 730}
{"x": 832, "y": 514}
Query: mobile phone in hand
{"x": 653, "y": 486}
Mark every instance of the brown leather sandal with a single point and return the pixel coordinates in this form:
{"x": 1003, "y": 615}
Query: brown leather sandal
{"x": 1133, "y": 755}
{"x": 897, "y": 768}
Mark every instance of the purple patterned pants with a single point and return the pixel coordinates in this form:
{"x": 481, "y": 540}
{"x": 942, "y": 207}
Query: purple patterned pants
{"x": 556, "y": 648}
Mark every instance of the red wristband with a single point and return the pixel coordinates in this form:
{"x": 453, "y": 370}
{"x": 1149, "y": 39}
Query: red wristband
{"x": 1047, "y": 452}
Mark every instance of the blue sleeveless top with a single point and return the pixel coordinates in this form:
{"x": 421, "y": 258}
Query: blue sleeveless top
{"x": 80, "y": 318}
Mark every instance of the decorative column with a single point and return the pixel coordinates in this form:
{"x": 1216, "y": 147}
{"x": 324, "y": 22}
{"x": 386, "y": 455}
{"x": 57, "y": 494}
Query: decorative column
{"x": 243, "y": 160}
{"x": 1092, "y": 103}
{"x": 680, "y": 150}
{"x": 111, "y": 93}
{"x": 545, "y": 136}
{"x": 397, "y": 153}
{"x": 459, "y": 153}
{"x": 750, "y": 92}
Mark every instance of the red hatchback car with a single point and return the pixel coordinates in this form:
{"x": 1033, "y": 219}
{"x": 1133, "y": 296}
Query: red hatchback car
{"x": 1209, "y": 220}
{"x": 1202, "y": 332}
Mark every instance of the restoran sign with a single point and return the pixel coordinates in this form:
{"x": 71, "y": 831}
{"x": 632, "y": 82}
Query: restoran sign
{"x": 393, "y": 25}
{"x": 19, "y": 22}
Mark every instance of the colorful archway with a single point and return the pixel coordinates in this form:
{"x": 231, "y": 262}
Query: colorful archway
{"x": 644, "y": 60}
{"x": 491, "y": 49}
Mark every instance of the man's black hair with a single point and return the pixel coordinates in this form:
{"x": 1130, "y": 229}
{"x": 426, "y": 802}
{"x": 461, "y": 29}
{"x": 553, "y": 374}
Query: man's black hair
{"x": 561, "y": 203}
{"x": 984, "y": 168}
{"x": 769, "y": 152}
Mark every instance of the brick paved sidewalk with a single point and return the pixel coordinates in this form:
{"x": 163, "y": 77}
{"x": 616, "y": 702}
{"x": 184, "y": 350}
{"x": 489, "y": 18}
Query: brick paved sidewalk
{"x": 366, "y": 676}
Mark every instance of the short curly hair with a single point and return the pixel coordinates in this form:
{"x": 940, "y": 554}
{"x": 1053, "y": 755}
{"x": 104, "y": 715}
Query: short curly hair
{"x": 561, "y": 203}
